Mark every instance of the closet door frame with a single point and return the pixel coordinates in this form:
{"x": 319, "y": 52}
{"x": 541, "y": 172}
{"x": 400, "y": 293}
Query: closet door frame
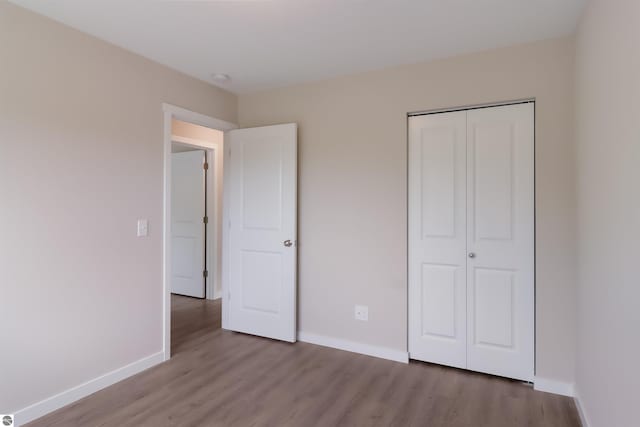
{"x": 409, "y": 258}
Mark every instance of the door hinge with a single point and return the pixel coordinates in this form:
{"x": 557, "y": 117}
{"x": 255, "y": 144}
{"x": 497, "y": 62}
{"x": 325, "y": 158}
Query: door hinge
{"x": 205, "y": 220}
{"x": 206, "y": 165}
{"x": 205, "y": 273}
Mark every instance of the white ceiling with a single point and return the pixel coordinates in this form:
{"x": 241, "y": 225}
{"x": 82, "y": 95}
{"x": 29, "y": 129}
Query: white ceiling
{"x": 268, "y": 43}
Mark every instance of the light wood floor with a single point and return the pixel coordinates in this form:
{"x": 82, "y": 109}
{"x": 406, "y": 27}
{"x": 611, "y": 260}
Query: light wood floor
{"x": 221, "y": 378}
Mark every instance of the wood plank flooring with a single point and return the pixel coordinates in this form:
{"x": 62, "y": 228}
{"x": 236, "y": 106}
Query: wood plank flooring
{"x": 220, "y": 378}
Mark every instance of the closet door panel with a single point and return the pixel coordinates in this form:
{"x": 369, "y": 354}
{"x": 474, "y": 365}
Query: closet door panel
{"x": 437, "y": 238}
{"x": 500, "y": 240}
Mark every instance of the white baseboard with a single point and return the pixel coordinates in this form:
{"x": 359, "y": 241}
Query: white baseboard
{"x": 52, "y": 403}
{"x": 553, "y": 386}
{"x": 355, "y": 347}
{"x": 584, "y": 419}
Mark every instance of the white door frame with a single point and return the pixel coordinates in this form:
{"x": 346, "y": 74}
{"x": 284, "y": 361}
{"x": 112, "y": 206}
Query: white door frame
{"x": 173, "y": 112}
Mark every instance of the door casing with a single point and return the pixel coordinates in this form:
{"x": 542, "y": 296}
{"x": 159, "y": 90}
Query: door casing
{"x": 171, "y": 112}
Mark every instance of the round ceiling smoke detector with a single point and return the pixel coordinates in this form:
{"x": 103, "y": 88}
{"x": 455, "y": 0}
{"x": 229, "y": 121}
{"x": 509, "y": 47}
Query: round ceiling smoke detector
{"x": 221, "y": 78}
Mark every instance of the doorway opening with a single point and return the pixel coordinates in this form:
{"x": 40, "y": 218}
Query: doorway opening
{"x": 193, "y": 211}
{"x": 252, "y": 259}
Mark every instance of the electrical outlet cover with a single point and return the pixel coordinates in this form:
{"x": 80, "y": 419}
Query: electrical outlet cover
{"x": 143, "y": 228}
{"x": 362, "y": 312}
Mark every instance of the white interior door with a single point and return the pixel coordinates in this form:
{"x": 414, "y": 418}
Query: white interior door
{"x": 500, "y": 237}
{"x": 262, "y": 211}
{"x": 471, "y": 239}
{"x": 187, "y": 223}
{"x": 437, "y": 238}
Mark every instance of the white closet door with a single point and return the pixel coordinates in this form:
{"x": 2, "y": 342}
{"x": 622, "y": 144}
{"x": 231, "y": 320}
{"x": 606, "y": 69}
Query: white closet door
{"x": 500, "y": 240}
{"x": 437, "y": 238}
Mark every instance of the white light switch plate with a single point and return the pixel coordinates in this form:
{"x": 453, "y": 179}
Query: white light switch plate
{"x": 143, "y": 228}
{"x": 362, "y": 312}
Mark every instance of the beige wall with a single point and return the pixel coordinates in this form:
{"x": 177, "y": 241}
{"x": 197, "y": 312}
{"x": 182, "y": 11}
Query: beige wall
{"x": 608, "y": 153}
{"x": 209, "y": 138}
{"x": 81, "y": 148}
{"x": 189, "y": 130}
{"x": 352, "y": 186}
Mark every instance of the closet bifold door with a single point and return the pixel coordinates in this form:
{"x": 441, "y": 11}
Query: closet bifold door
{"x": 437, "y": 238}
{"x": 471, "y": 239}
{"x": 500, "y": 240}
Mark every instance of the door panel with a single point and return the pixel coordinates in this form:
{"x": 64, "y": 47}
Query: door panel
{"x": 262, "y": 273}
{"x": 500, "y": 217}
{"x": 262, "y": 197}
{"x": 437, "y": 235}
{"x": 438, "y": 181}
{"x": 492, "y": 165}
{"x": 261, "y": 186}
{"x": 187, "y": 226}
{"x": 493, "y": 296}
{"x": 438, "y": 287}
